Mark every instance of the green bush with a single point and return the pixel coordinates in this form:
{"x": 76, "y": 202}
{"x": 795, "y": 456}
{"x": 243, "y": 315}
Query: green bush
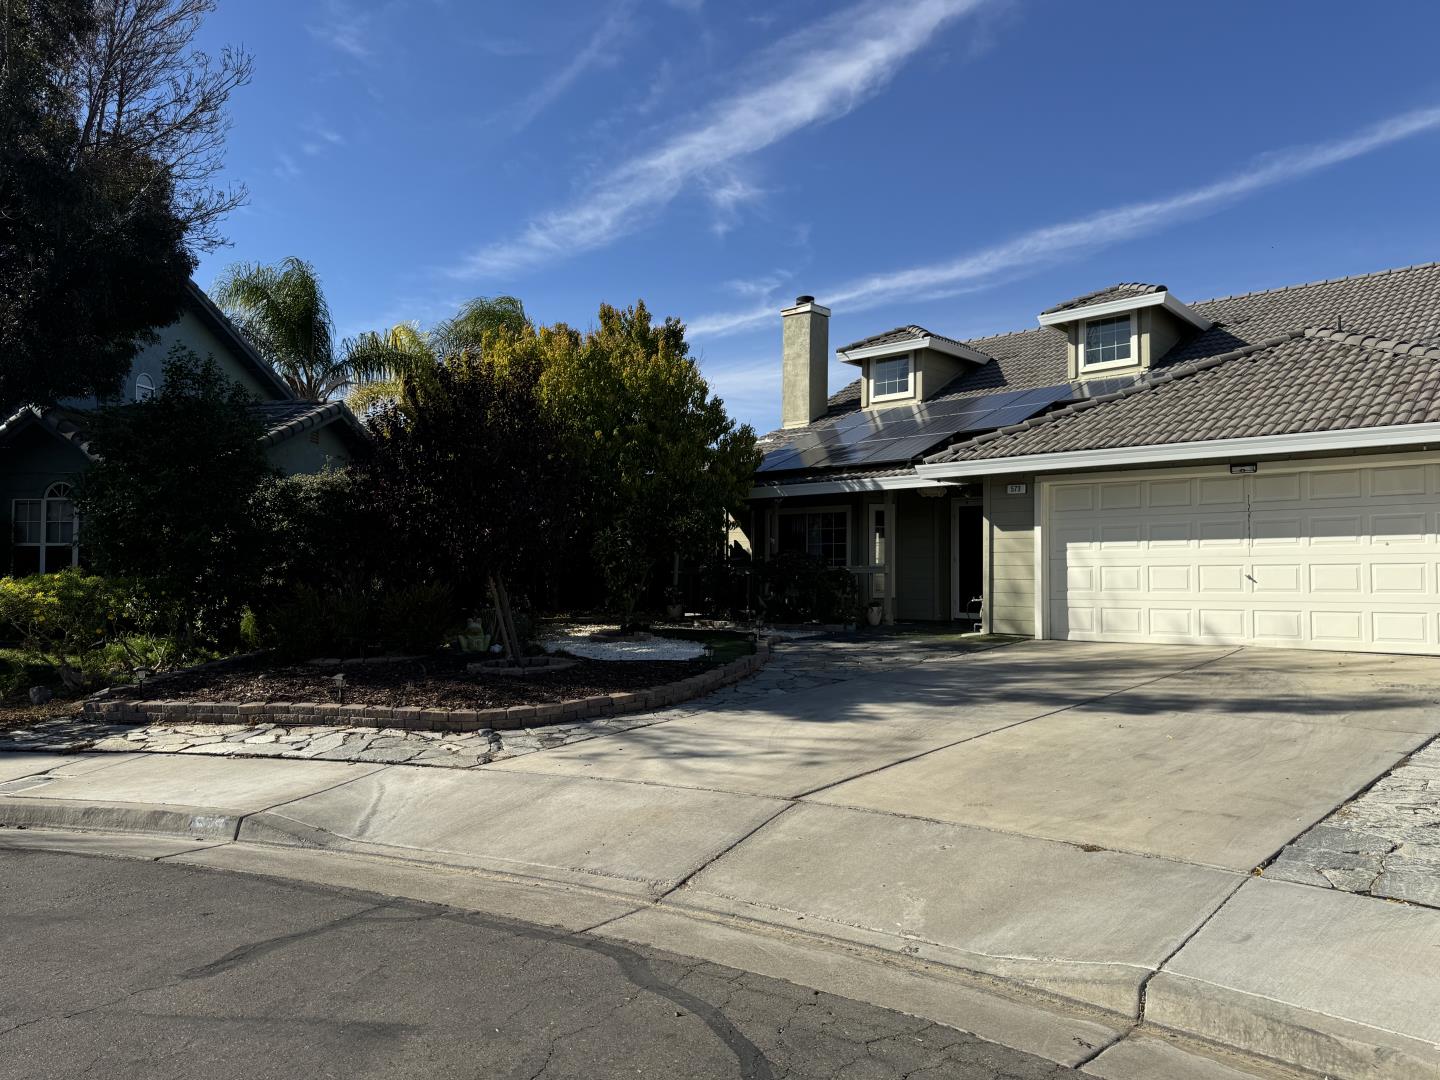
{"x": 796, "y": 587}
{"x": 63, "y": 616}
{"x": 314, "y": 622}
{"x": 416, "y": 618}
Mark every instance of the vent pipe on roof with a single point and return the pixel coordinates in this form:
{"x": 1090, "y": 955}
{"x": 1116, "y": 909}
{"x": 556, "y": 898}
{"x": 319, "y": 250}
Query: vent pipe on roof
{"x": 804, "y": 362}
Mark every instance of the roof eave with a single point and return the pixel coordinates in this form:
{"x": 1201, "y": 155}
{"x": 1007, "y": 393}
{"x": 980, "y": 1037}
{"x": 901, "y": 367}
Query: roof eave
{"x": 1305, "y": 442}
{"x": 227, "y": 330}
{"x": 1126, "y": 304}
{"x": 841, "y": 487}
{"x": 909, "y": 345}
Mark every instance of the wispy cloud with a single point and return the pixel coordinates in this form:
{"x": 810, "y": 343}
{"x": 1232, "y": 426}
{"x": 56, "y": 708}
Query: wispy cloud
{"x": 828, "y": 70}
{"x": 344, "y": 29}
{"x": 1040, "y": 247}
{"x": 320, "y": 138}
{"x": 596, "y": 52}
{"x": 286, "y": 167}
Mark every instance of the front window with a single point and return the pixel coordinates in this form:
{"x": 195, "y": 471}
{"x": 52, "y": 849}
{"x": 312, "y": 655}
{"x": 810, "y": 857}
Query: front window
{"x": 821, "y": 533}
{"x": 1107, "y": 341}
{"x": 44, "y": 533}
{"x": 144, "y": 387}
{"x": 890, "y": 378}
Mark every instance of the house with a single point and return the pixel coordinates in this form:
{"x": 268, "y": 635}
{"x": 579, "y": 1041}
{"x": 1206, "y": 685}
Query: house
{"x": 1256, "y": 469}
{"x": 43, "y": 450}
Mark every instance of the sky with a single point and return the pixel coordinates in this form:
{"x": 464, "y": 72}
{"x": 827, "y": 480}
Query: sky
{"x": 960, "y": 164}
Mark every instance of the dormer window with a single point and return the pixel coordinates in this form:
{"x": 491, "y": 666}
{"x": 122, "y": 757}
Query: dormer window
{"x": 890, "y": 378}
{"x": 144, "y": 387}
{"x": 1108, "y": 343}
{"x": 1122, "y": 330}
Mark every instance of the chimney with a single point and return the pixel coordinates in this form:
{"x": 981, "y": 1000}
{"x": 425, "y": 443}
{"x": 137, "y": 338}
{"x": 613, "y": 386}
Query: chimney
{"x": 805, "y": 362}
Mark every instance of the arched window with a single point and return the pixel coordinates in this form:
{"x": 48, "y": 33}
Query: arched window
{"x": 144, "y": 387}
{"x": 45, "y": 532}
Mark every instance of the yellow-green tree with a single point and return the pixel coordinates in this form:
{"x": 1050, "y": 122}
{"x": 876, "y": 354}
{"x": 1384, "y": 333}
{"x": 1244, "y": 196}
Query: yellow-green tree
{"x": 661, "y": 459}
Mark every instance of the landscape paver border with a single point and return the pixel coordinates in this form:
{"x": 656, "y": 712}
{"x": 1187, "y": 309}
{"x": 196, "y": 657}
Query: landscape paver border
{"x": 414, "y": 717}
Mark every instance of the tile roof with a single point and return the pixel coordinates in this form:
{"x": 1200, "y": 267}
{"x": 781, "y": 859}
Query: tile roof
{"x": 1305, "y": 380}
{"x": 1401, "y": 303}
{"x": 1122, "y": 291}
{"x": 281, "y": 419}
{"x": 900, "y": 334}
{"x": 59, "y": 422}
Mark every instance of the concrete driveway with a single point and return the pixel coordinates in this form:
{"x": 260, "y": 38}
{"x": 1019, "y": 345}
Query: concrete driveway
{"x": 1075, "y": 823}
{"x": 1210, "y": 756}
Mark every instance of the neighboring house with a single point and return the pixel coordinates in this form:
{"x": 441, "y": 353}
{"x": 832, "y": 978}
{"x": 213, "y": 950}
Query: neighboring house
{"x": 1258, "y": 469}
{"x": 43, "y": 450}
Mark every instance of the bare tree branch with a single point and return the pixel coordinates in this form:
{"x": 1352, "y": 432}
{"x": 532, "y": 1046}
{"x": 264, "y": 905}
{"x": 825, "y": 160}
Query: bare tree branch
{"x": 142, "y": 90}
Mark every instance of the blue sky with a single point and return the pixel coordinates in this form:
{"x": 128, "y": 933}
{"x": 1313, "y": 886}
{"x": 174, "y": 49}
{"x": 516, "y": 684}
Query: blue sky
{"x": 961, "y": 164}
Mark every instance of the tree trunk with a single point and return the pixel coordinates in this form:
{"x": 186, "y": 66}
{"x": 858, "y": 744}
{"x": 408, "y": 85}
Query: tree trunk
{"x": 504, "y": 621}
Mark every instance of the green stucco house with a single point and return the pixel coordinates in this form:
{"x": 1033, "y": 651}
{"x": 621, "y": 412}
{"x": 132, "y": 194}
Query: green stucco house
{"x": 43, "y": 450}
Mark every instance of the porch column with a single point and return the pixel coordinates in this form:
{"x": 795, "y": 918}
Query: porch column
{"x": 891, "y": 539}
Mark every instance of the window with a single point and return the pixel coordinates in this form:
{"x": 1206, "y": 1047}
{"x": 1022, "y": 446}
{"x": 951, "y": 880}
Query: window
{"x": 144, "y": 387}
{"x": 1107, "y": 341}
{"x": 890, "y": 378}
{"x": 824, "y": 534}
{"x": 44, "y": 533}
{"x": 877, "y": 550}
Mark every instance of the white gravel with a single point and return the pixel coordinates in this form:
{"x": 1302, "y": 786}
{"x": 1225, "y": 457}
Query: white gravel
{"x": 579, "y": 642}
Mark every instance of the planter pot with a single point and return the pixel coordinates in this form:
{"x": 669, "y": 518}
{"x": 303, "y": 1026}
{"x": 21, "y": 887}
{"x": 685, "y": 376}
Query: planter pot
{"x": 873, "y": 615}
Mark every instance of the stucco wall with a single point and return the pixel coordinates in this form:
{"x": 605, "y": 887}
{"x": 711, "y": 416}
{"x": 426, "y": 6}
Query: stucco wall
{"x": 1009, "y": 556}
{"x": 309, "y": 452}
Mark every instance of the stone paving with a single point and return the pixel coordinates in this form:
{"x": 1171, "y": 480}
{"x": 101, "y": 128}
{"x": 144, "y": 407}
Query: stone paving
{"x": 1385, "y": 842}
{"x": 797, "y": 665}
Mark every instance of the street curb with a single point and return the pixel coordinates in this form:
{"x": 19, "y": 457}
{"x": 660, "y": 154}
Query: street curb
{"x": 194, "y": 822}
{"x": 169, "y": 711}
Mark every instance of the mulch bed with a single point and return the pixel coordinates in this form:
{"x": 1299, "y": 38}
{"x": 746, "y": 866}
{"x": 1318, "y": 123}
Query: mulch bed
{"x": 438, "y": 682}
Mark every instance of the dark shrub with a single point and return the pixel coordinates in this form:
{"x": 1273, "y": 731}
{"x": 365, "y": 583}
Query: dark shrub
{"x": 796, "y": 587}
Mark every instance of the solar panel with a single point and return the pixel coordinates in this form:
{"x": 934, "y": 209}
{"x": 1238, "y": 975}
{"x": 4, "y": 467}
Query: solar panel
{"x": 904, "y": 432}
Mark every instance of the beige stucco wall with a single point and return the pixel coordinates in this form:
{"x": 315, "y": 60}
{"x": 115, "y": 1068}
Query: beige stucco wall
{"x": 1009, "y": 524}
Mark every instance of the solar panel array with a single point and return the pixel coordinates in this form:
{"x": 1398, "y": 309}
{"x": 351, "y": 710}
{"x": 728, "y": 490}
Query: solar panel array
{"x": 904, "y": 432}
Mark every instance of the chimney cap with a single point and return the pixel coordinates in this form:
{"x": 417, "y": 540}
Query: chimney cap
{"x": 806, "y": 299}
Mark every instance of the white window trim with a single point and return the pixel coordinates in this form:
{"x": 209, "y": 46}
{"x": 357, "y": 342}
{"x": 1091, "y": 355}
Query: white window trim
{"x": 43, "y": 545}
{"x": 1132, "y": 360}
{"x": 837, "y": 509}
{"x": 144, "y": 382}
{"x": 877, "y": 569}
{"x": 908, "y": 392}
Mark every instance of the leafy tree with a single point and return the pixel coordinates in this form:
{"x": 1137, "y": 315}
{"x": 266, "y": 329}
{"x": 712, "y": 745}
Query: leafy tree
{"x": 171, "y": 501}
{"x": 111, "y": 127}
{"x": 470, "y": 467}
{"x": 661, "y": 459}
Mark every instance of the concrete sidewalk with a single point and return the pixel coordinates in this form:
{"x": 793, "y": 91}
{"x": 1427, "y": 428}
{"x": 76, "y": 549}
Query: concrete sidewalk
{"x": 1052, "y": 846}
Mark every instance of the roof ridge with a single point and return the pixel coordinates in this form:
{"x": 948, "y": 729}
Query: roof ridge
{"x": 1148, "y": 381}
{"x": 1322, "y": 281}
{"x": 1372, "y": 341}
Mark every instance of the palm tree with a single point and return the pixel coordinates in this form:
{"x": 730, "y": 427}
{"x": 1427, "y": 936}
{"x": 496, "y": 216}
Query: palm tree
{"x": 283, "y": 312}
{"x": 405, "y": 352}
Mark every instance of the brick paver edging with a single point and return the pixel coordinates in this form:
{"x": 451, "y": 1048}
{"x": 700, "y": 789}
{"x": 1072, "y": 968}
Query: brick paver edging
{"x": 385, "y": 716}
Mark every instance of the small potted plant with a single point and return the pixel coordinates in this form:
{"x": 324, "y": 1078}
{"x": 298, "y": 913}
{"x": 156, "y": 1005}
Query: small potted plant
{"x": 674, "y": 603}
{"x": 874, "y": 612}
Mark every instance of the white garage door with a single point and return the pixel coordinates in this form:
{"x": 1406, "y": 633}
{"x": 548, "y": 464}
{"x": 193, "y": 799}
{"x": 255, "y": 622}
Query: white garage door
{"x": 1337, "y": 556}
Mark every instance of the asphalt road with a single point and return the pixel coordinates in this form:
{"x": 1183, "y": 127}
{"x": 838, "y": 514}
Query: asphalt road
{"x": 121, "y": 969}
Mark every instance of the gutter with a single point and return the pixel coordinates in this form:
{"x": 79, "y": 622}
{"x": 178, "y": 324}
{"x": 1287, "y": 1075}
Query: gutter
{"x": 1420, "y": 436}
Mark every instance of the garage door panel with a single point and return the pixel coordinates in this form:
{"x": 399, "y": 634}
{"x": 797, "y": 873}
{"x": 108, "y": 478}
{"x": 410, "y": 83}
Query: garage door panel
{"x": 1405, "y": 578}
{"x": 1402, "y": 628}
{"x": 1280, "y": 626}
{"x": 1340, "y": 558}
